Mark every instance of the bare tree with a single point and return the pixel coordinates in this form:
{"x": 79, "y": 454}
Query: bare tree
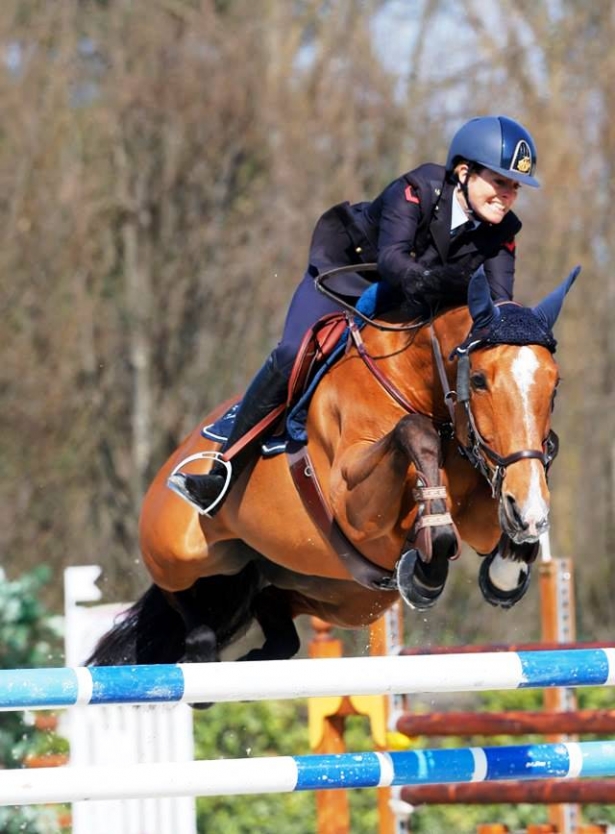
{"x": 162, "y": 166}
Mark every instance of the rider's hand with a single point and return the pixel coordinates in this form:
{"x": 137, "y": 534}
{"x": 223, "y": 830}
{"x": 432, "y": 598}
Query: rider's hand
{"x": 438, "y": 286}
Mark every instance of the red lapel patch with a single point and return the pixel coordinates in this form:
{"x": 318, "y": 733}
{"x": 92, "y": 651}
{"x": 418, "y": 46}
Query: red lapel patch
{"x": 410, "y": 195}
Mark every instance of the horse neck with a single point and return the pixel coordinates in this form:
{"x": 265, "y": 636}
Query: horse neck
{"x": 451, "y": 328}
{"x": 406, "y": 357}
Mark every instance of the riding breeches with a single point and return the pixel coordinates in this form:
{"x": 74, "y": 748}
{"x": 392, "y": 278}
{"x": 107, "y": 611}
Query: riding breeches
{"x": 307, "y": 306}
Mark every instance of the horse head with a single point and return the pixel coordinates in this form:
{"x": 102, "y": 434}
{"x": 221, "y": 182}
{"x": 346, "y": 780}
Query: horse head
{"x": 506, "y": 383}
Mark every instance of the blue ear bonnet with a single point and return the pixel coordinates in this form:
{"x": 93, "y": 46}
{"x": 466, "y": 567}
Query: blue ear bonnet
{"x": 514, "y": 325}
{"x": 508, "y": 323}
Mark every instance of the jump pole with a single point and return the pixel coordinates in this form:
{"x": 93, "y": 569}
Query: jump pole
{"x": 561, "y": 717}
{"x": 303, "y": 678}
{"x": 285, "y": 774}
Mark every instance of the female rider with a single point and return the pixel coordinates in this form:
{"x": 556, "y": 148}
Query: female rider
{"x": 428, "y": 231}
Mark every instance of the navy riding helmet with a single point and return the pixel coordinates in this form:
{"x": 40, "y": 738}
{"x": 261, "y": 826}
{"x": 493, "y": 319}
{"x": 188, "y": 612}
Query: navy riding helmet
{"x": 498, "y": 143}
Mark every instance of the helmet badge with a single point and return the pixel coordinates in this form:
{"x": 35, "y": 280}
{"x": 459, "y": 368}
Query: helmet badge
{"x": 522, "y": 158}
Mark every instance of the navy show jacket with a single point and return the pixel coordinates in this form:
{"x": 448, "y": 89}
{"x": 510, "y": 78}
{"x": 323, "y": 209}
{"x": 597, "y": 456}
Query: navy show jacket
{"x": 410, "y": 223}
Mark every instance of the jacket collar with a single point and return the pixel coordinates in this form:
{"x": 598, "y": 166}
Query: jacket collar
{"x": 440, "y": 226}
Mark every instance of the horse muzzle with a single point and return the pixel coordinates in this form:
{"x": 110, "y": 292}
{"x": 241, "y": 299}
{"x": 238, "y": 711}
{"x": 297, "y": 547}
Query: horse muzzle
{"x": 524, "y": 525}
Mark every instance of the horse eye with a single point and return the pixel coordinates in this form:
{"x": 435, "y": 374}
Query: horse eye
{"x": 479, "y": 382}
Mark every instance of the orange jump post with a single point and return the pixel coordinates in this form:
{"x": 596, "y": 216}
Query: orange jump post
{"x": 326, "y": 722}
{"x": 385, "y": 639}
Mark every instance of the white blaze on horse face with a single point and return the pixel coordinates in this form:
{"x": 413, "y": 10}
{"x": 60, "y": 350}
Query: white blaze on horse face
{"x": 524, "y": 369}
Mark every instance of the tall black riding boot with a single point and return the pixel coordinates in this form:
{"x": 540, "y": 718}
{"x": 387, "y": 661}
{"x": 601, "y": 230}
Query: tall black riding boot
{"x": 208, "y": 492}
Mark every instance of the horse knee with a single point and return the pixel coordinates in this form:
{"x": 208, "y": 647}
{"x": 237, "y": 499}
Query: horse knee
{"x": 419, "y": 438}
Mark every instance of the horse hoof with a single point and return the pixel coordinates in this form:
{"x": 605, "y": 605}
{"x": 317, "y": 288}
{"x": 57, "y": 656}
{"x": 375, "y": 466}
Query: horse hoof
{"x": 201, "y": 706}
{"x": 496, "y": 596}
{"x": 285, "y": 647}
{"x": 413, "y": 584}
{"x": 201, "y": 646}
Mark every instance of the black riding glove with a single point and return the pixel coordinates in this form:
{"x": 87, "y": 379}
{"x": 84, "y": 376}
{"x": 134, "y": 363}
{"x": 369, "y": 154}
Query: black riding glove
{"x": 437, "y": 286}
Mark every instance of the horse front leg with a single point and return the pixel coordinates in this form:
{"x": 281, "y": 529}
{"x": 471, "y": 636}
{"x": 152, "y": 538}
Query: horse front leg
{"x": 433, "y": 540}
{"x": 375, "y": 494}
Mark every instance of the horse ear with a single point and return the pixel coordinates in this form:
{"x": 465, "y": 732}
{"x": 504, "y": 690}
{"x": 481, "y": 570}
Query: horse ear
{"x": 482, "y": 308}
{"x": 549, "y": 308}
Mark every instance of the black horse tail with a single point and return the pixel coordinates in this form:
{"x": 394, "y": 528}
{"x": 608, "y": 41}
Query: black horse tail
{"x": 153, "y": 630}
{"x": 150, "y": 631}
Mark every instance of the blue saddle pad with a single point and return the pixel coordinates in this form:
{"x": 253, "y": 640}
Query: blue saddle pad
{"x": 220, "y": 430}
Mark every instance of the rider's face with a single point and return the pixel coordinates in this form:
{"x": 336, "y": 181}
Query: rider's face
{"x": 492, "y": 195}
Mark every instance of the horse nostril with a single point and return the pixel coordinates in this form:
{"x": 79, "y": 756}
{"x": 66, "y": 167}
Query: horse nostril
{"x": 513, "y": 513}
{"x": 543, "y": 525}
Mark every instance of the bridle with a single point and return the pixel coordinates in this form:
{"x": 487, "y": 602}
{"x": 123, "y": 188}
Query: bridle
{"x": 477, "y": 451}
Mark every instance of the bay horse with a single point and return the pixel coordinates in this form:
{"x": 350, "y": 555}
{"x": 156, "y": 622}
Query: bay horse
{"x": 418, "y": 436}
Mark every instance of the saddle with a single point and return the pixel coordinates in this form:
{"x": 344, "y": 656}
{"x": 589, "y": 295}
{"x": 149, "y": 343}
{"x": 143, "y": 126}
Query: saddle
{"x": 317, "y": 346}
{"x": 316, "y": 350}
{"x": 319, "y": 349}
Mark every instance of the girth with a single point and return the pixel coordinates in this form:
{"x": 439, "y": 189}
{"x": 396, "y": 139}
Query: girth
{"x": 363, "y": 571}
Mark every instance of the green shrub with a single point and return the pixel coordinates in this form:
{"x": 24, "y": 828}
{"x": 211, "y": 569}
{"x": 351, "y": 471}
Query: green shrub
{"x": 27, "y": 640}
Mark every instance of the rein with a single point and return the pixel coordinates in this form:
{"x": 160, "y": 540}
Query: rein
{"x": 320, "y": 283}
{"x": 477, "y": 451}
{"x": 385, "y": 383}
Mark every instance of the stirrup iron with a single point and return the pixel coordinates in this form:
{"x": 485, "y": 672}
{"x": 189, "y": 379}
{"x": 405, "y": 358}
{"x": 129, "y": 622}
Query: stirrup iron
{"x": 176, "y": 482}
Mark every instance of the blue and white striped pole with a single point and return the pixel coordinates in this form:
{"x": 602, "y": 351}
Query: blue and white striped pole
{"x": 304, "y": 773}
{"x": 304, "y": 678}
